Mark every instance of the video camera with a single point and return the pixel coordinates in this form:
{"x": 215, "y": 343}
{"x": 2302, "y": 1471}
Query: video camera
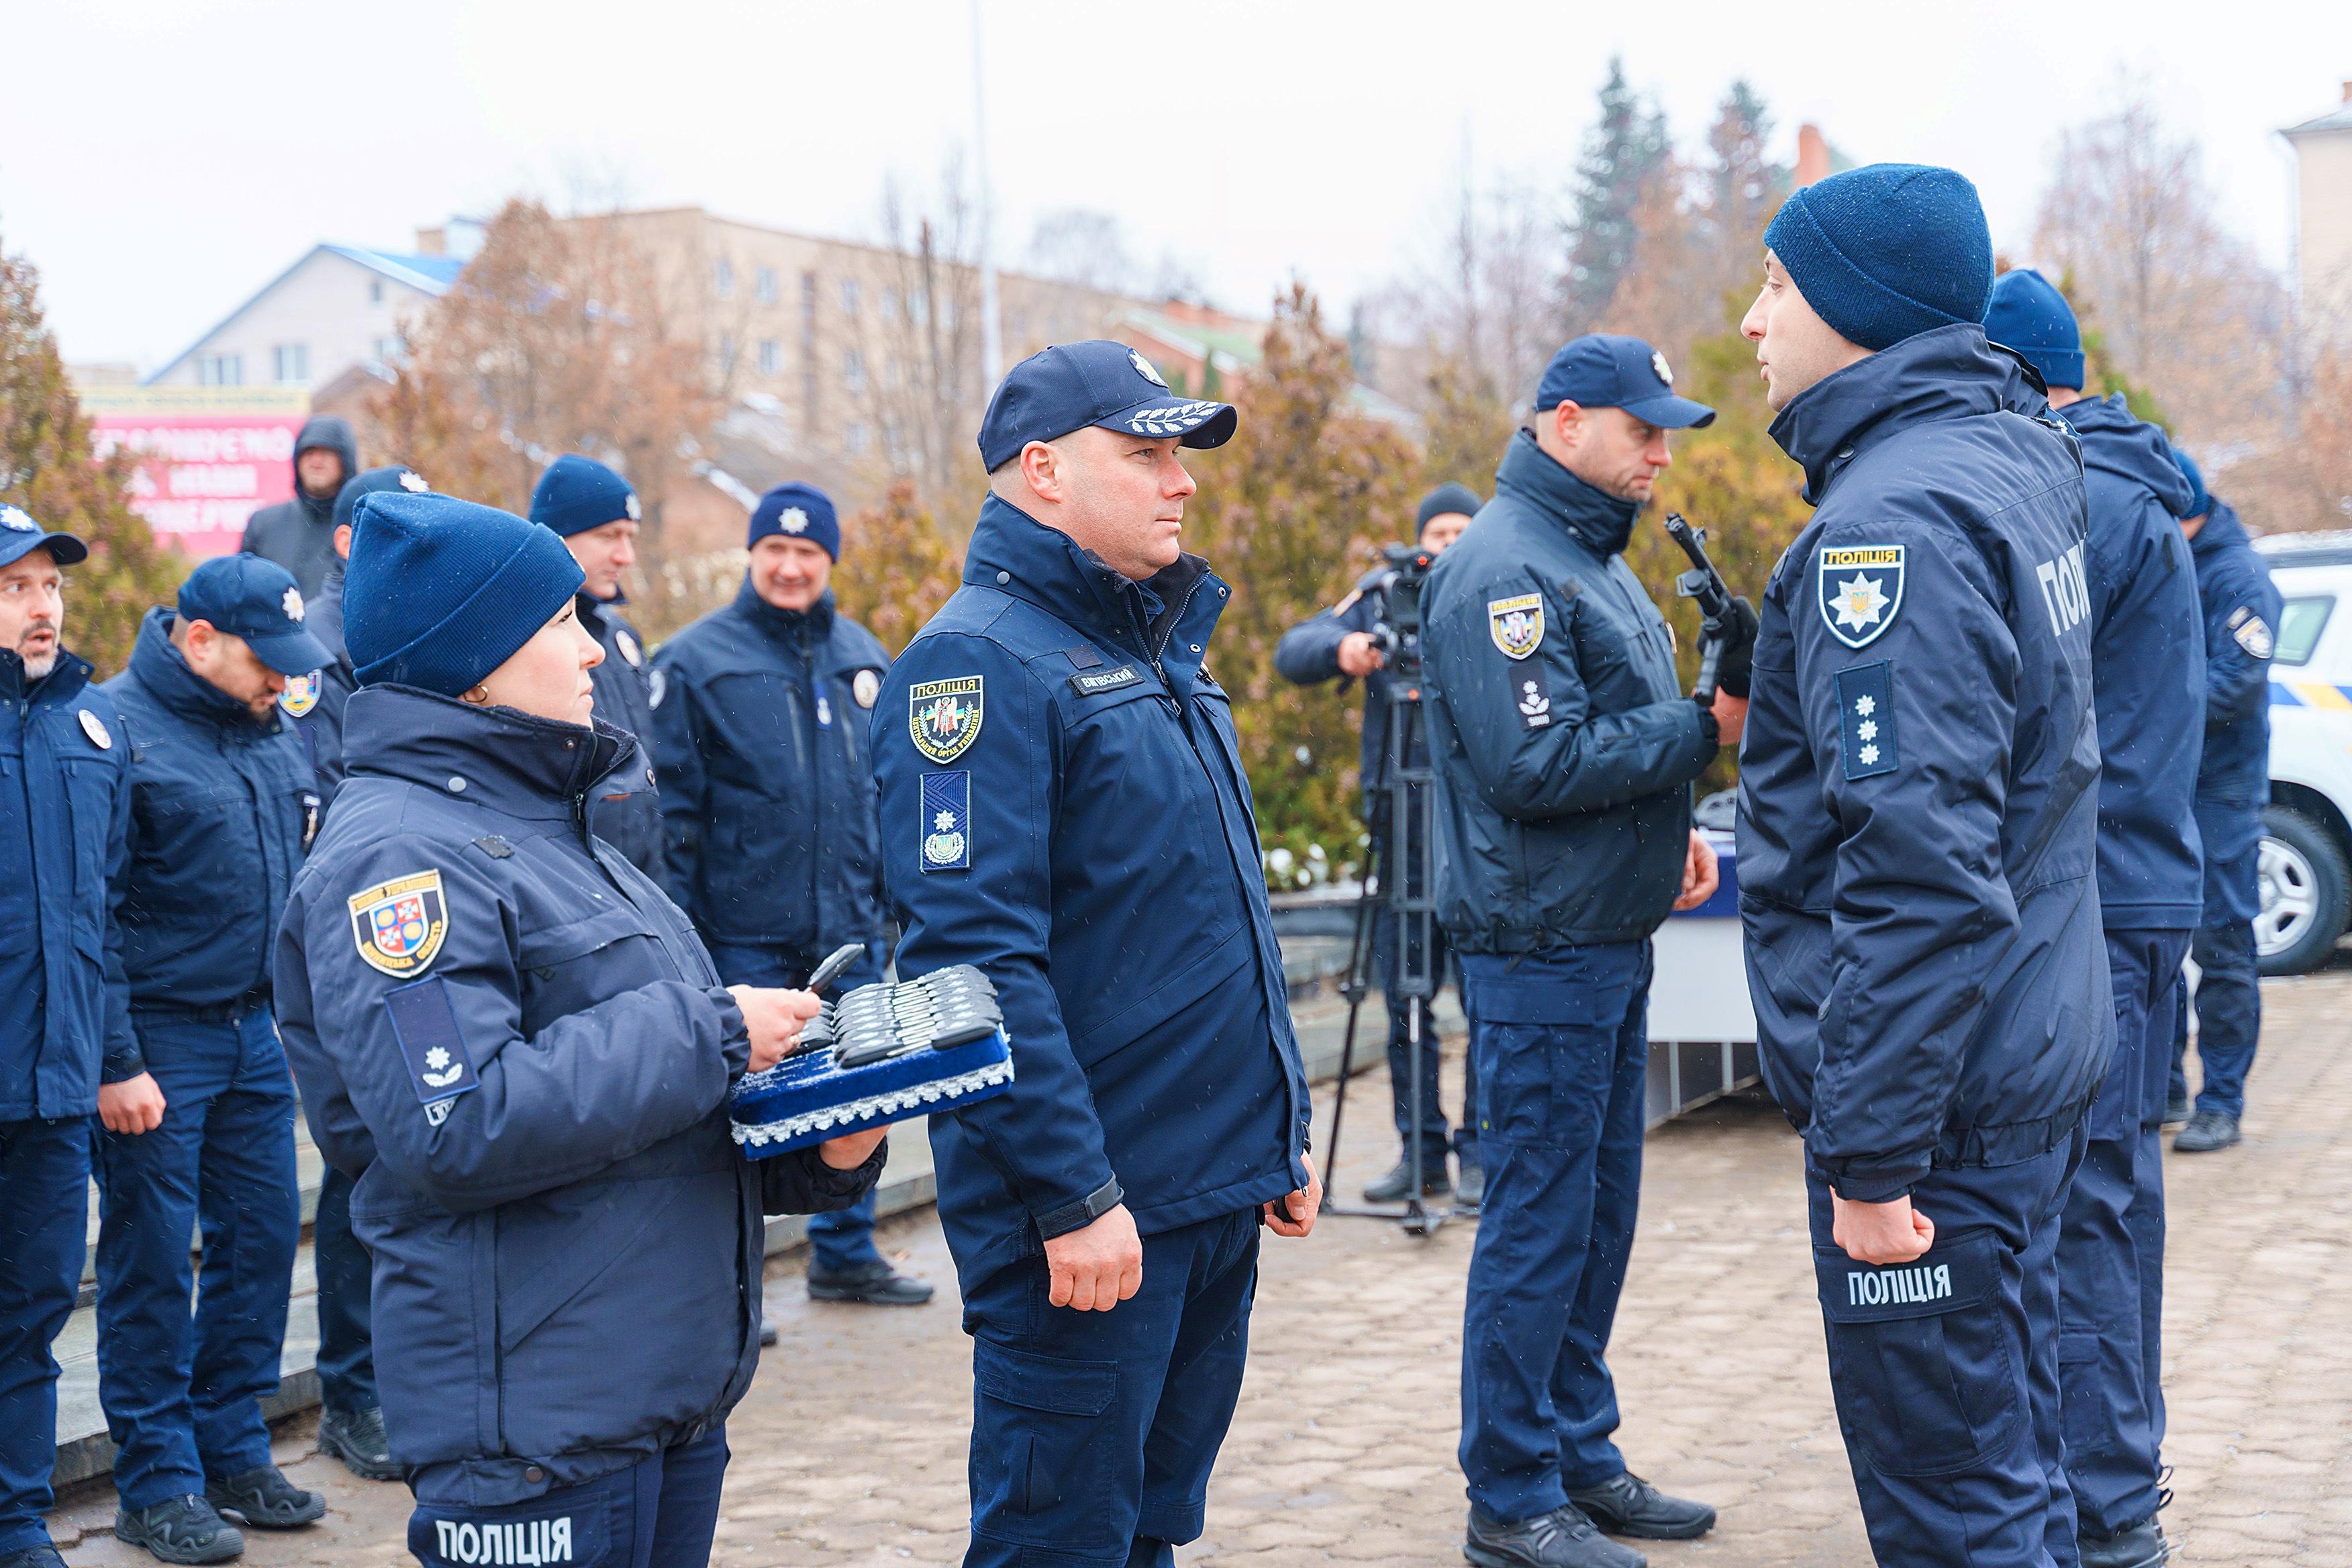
{"x": 1396, "y": 607}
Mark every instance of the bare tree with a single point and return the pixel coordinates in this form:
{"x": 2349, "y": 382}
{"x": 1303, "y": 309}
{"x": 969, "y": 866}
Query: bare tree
{"x": 919, "y": 369}
{"x": 1078, "y": 245}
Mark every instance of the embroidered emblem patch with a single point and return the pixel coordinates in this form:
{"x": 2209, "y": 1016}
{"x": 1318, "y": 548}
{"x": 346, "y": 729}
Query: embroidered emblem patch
{"x": 14, "y": 519}
{"x": 95, "y": 728}
{"x": 1533, "y": 697}
{"x": 943, "y": 716}
{"x": 1860, "y": 590}
{"x": 1658, "y": 364}
{"x": 301, "y": 694}
{"x": 947, "y": 821}
{"x": 866, "y": 686}
{"x": 1516, "y": 624}
{"x": 1143, "y": 368}
{"x": 426, "y": 1025}
{"x": 2253, "y": 635}
{"x": 1087, "y": 682}
{"x": 628, "y": 647}
{"x": 795, "y": 521}
{"x": 1866, "y": 720}
{"x": 398, "y": 925}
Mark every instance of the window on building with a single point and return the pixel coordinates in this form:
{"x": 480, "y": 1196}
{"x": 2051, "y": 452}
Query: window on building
{"x": 849, "y": 296}
{"x": 220, "y": 369}
{"x": 853, "y": 370}
{"x": 726, "y": 354}
{"x": 390, "y": 350}
{"x": 376, "y": 290}
{"x": 919, "y": 306}
{"x": 722, "y": 277}
{"x": 772, "y": 356}
{"x": 853, "y": 439}
{"x": 293, "y": 361}
{"x": 763, "y": 283}
{"x": 892, "y": 306}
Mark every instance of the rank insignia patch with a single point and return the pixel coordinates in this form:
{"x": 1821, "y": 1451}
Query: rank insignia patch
{"x": 943, "y": 716}
{"x": 301, "y": 694}
{"x": 1866, "y": 720}
{"x": 433, "y": 1046}
{"x": 1516, "y": 624}
{"x": 1532, "y": 692}
{"x": 947, "y": 821}
{"x": 1860, "y": 590}
{"x": 398, "y": 925}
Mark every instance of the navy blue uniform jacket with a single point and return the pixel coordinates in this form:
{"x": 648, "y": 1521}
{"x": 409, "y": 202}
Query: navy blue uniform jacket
{"x": 316, "y": 702}
{"x": 65, "y": 1009}
{"x": 1064, "y": 806}
{"x": 767, "y": 794}
{"x": 2241, "y": 616}
{"x": 1918, "y": 790}
{"x": 221, "y": 809}
{"x": 2147, "y": 669}
{"x": 627, "y": 812}
{"x": 518, "y": 1048}
{"x": 1564, "y": 745}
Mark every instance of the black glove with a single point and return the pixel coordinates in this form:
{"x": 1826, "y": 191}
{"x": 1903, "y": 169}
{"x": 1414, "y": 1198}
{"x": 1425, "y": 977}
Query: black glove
{"x": 1736, "y": 636}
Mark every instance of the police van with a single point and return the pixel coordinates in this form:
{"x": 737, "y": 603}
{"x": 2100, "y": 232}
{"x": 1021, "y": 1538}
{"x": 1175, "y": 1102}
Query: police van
{"x": 2307, "y": 848}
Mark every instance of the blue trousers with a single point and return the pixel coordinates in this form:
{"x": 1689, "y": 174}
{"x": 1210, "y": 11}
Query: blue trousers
{"x": 2229, "y": 983}
{"x": 1562, "y": 1047}
{"x": 1436, "y": 1139}
{"x": 181, "y": 1392}
{"x": 44, "y": 1211}
{"x": 346, "y": 1316}
{"x": 1092, "y": 1433}
{"x": 841, "y": 1242}
{"x": 2111, "y": 1251}
{"x": 1945, "y": 1371}
{"x": 659, "y": 1512}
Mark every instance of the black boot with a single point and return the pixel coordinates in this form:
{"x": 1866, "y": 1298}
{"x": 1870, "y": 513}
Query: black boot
{"x": 357, "y": 1439}
{"x": 265, "y": 1499}
{"x": 1625, "y": 1504}
{"x": 185, "y": 1528}
{"x": 2176, "y": 1110}
{"x": 2207, "y": 1131}
{"x": 1560, "y": 1539}
{"x": 1469, "y": 1187}
{"x": 876, "y": 1285}
{"x": 2141, "y": 1545}
{"x": 41, "y": 1556}
{"x": 1392, "y": 1188}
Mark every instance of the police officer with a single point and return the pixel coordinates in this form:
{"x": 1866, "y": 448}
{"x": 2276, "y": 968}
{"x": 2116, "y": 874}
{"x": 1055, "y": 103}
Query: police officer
{"x": 1064, "y": 806}
{"x": 299, "y": 534}
{"x": 594, "y": 512}
{"x": 65, "y": 1024}
{"x": 1565, "y": 750}
{"x": 2233, "y": 784}
{"x": 2147, "y": 679}
{"x": 520, "y": 1048}
{"x": 767, "y": 803}
{"x": 1917, "y": 856}
{"x": 223, "y": 804}
{"x": 1338, "y": 645}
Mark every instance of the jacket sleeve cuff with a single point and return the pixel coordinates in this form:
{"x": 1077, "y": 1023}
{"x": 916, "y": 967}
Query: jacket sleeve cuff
{"x": 735, "y": 1036}
{"x": 126, "y": 1062}
{"x": 1861, "y": 1183}
{"x": 801, "y": 1183}
{"x": 1081, "y": 1214}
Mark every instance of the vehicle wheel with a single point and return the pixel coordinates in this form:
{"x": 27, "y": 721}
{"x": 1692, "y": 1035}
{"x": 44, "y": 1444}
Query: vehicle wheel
{"x": 2304, "y": 890}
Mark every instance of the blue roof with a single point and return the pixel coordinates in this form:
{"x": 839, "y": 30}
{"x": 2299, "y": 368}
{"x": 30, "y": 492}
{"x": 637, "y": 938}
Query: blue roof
{"x": 431, "y": 274}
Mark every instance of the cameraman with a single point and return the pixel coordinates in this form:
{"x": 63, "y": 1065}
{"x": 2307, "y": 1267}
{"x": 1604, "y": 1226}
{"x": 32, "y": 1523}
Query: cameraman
{"x": 1342, "y": 643}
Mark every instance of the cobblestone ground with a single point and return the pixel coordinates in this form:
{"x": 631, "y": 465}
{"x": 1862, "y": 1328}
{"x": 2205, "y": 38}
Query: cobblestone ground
{"x": 851, "y": 1448}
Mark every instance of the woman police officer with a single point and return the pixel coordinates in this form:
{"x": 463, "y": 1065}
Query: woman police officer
{"x": 517, "y": 1045}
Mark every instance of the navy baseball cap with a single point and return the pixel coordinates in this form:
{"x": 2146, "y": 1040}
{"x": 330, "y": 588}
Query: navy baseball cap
{"x": 20, "y": 536}
{"x": 1072, "y": 385}
{"x": 249, "y": 597}
{"x": 1603, "y": 370}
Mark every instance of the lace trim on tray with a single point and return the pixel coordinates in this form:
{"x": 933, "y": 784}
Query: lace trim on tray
{"x": 914, "y": 1097}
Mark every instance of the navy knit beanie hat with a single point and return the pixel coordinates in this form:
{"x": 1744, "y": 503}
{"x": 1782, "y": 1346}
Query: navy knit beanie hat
{"x": 579, "y": 493}
{"x": 2200, "y": 500}
{"x": 1446, "y": 497}
{"x": 2030, "y": 315}
{"x": 441, "y": 592}
{"x": 1887, "y": 251}
{"x": 798, "y": 512}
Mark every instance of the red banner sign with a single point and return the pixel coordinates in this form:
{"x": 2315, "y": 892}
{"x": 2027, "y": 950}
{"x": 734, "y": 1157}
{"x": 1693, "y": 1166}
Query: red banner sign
{"x": 206, "y": 457}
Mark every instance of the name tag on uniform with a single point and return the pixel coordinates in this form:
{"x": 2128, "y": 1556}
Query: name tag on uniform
{"x": 1090, "y": 682}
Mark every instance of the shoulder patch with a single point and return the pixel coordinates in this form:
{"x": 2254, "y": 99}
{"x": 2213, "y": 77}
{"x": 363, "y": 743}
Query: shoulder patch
{"x": 1516, "y": 624}
{"x": 1866, "y": 720}
{"x": 946, "y": 830}
{"x": 1087, "y": 682}
{"x": 95, "y": 728}
{"x": 2253, "y": 635}
{"x": 1861, "y": 592}
{"x": 943, "y": 716}
{"x": 433, "y": 1044}
{"x": 301, "y": 694}
{"x": 398, "y": 926}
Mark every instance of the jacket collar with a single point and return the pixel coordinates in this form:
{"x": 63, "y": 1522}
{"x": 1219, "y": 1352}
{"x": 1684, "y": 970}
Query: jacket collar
{"x": 164, "y": 671}
{"x": 1014, "y": 554}
{"x": 2118, "y": 442}
{"x": 1951, "y": 373}
{"x": 62, "y": 684}
{"x": 2223, "y": 531}
{"x": 511, "y": 760}
{"x": 1599, "y": 520}
{"x": 798, "y": 628}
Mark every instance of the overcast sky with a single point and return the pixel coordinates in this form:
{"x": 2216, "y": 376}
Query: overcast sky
{"x": 165, "y": 158}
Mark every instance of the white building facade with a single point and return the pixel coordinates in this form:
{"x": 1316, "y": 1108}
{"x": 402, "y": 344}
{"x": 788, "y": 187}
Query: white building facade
{"x": 338, "y": 307}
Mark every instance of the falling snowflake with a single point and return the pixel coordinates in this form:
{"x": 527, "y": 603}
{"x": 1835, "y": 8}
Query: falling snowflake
{"x": 1865, "y": 706}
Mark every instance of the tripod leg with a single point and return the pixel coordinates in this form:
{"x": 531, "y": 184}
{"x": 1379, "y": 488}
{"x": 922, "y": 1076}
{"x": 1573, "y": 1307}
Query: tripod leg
{"x": 1359, "y": 976}
{"x": 1414, "y": 1218}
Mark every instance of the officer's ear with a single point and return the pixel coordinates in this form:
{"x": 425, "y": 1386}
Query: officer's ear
{"x": 1044, "y": 469}
{"x": 343, "y": 539}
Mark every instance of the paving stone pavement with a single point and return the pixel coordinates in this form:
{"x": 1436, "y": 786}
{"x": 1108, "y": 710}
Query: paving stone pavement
{"x": 850, "y": 1449}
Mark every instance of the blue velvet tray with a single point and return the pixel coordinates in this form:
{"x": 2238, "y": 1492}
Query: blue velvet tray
{"x": 809, "y": 1098}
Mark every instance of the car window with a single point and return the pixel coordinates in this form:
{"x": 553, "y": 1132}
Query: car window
{"x": 2300, "y": 623}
